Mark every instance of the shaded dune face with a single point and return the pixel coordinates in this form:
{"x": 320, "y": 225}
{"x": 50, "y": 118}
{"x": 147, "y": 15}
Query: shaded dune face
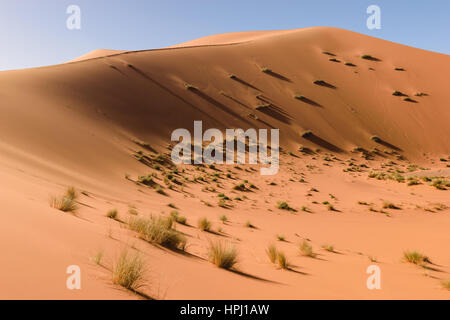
{"x": 77, "y": 124}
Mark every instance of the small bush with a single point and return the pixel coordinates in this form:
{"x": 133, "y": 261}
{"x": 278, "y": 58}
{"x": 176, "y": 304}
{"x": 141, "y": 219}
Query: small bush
{"x": 306, "y": 249}
{"x": 375, "y": 138}
{"x": 204, "y": 224}
{"x": 158, "y": 230}
{"x": 177, "y": 218}
{"x": 67, "y": 202}
{"x": 307, "y": 133}
{"x": 132, "y": 210}
{"x": 112, "y": 214}
{"x": 98, "y": 257}
{"x": 415, "y": 258}
{"x": 328, "y": 247}
{"x": 281, "y": 237}
{"x": 272, "y": 253}
{"x": 446, "y": 284}
{"x": 223, "y": 255}
{"x": 248, "y": 224}
{"x": 390, "y": 205}
{"x": 191, "y": 87}
{"x": 266, "y": 70}
{"x": 282, "y": 260}
{"x": 128, "y": 272}
{"x": 284, "y": 206}
{"x": 224, "y": 219}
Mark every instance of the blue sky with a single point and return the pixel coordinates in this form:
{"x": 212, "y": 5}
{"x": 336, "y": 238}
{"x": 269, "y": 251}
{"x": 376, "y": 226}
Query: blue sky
{"x": 34, "y": 33}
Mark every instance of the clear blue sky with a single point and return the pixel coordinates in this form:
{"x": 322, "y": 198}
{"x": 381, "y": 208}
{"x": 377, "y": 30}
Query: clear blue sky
{"x": 34, "y": 33}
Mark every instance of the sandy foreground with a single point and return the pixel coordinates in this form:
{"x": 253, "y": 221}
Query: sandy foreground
{"x": 84, "y": 124}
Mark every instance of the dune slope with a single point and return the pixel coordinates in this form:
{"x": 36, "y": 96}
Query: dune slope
{"x": 75, "y": 123}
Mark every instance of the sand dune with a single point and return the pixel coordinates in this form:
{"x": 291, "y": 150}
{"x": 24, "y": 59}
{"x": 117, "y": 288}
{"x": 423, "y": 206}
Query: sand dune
{"x": 74, "y": 125}
{"x": 99, "y": 53}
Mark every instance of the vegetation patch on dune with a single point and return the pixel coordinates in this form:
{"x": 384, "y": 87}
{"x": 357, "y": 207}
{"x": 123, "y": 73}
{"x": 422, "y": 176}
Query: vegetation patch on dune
{"x": 128, "y": 271}
{"x": 222, "y": 254}
{"x": 306, "y": 249}
{"x": 158, "y": 230}
{"x": 66, "y": 202}
{"x": 415, "y": 257}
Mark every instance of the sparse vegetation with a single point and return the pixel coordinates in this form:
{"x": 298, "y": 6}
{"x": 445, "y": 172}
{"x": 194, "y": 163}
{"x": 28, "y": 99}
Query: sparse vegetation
{"x": 112, "y": 214}
{"x": 67, "y": 202}
{"x": 191, "y": 87}
{"x": 128, "y": 272}
{"x": 224, "y": 219}
{"x": 390, "y": 205}
{"x": 415, "y": 258}
{"x": 281, "y": 237}
{"x": 158, "y": 230}
{"x": 248, "y": 224}
{"x": 284, "y": 206}
{"x": 306, "y": 249}
{"x": 282, "y": 260}
{"x": 97, "y": 259}
{"x": 204, "y": 224}
{"x": 177, "y": 218}
{"x": 446, "y": 284}
{"x": 307, "y": 133}
{"x": 222, "y": 254}
{"x": 272, "y": 253}
{"x": 375, "y": 138}
{"x": 328, "y": 247}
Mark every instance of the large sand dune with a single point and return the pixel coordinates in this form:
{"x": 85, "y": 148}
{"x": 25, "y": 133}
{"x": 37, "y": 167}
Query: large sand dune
{"x": 74, "y": 124}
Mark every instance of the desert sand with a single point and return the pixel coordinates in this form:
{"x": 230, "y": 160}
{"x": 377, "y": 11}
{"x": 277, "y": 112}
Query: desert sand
{"x": 77, "y": 124}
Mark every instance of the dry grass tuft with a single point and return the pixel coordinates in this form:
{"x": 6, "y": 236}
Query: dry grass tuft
{"x": 306, "y": 249}
{"x": 128, "y": 271}
{"x": 67, "y": 202}
{"x": 222, "y": 254}
{"x": 158, "y": 230}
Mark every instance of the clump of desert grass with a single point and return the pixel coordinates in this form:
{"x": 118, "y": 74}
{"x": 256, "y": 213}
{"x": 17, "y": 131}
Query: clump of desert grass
{"x": 415, "y": 257}
{"x": 446, "y": 284}
{"x": 175, "y": 215}
{"x": 112, "y": 214}
{"x": 224, "y": 219}
{"x": 283, "y": 205}
{"x": 97, "y": 259}
{"x": 204, "y": 224}
{"x": 132, "y": 210}
{"x": 306, "y": 249}
{"x": 222, "y": 254}
{"x": 158, "y": 230}
{"x": 272, "y": 253}
{"x": 281, "y": 237}
{"x": 128, "y": 271}
{"x": 328, "y": 247}
{"x": 390, "y": 205}
{"x": 276, "y": 256}
{"x": 248, "y": 224}
{"x": 66, "y": 202}
{"x": 282, "y": 260}
{"x": 189, "y": 86}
